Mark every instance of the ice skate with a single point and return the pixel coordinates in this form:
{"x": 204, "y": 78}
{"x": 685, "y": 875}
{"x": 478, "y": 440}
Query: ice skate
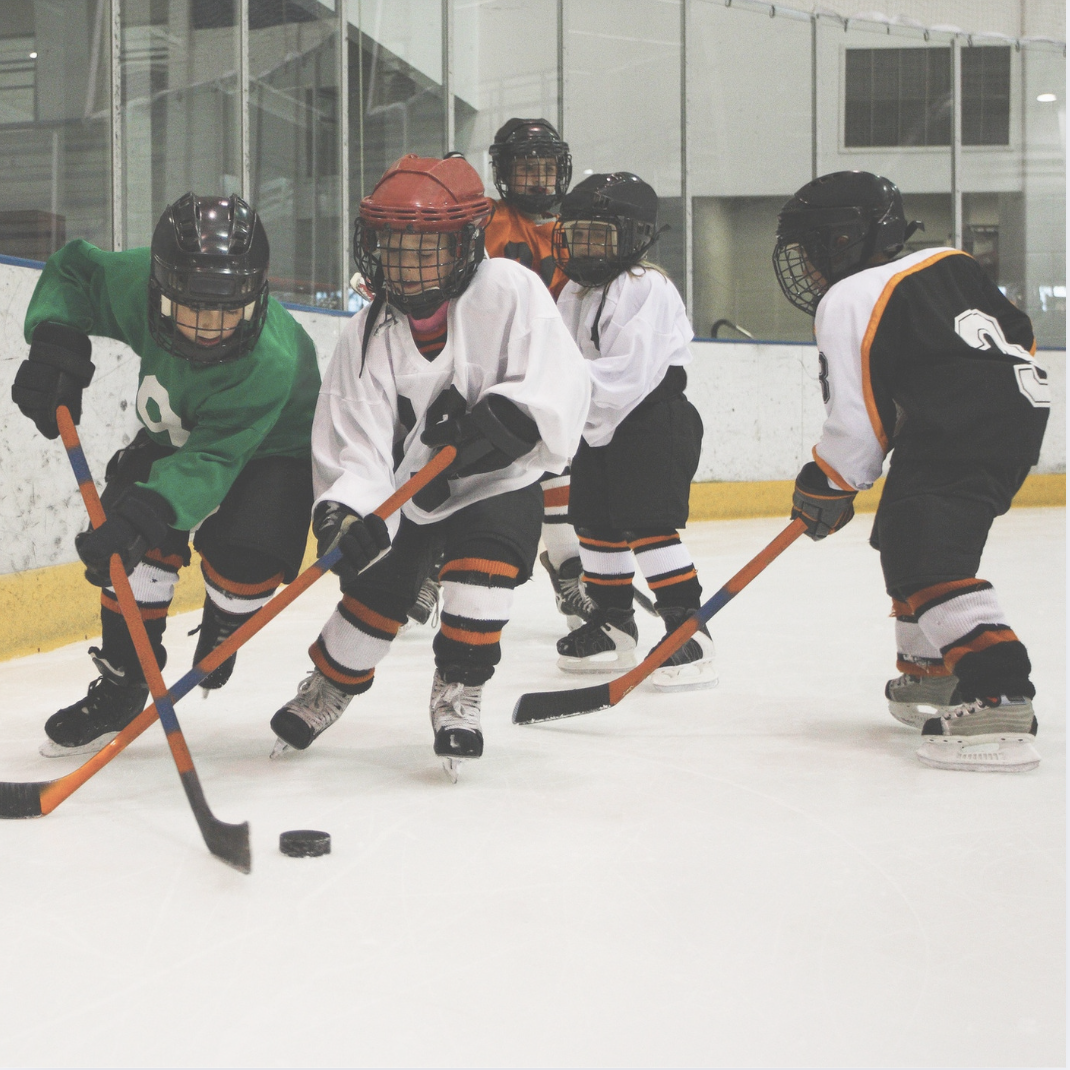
{"x": 112, "y": 702}
{"x": 913, "y": 700}
{"x": 455, "y": 719}
{"x": 572, "y": 600}
{"x": 216, "y": 627}
{"x": 606, "y": 643}
{"x": 426, "y": 607}
{"x": 985, "y": 735}
{"x": 316, "y": 706}
{"x": 692, "y": 667}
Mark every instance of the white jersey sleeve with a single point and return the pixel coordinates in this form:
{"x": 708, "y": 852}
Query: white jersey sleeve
{"x": 643, "y": 330}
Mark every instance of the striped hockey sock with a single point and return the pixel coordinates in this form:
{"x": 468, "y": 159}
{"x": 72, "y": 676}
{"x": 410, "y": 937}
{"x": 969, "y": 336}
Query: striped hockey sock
{"x": 964, "y": 621}
{"x": 916, "y": 656}
{"x": 669, "y": 569}
{"x": 353, "y": 641}
{"x": 608, "y": 571}
{"x": 153, "y": 583}
{"x": 558, "y": 535}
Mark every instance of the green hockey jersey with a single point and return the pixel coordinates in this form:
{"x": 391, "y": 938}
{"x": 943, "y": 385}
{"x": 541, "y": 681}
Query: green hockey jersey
{"x": 217, "y": 417}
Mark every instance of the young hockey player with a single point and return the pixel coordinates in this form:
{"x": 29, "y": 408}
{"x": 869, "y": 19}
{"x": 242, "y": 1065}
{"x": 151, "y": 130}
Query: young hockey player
{"x": 631, "y": 476}
{"x": 532, "y": 169}
{"x": 226, "y": 393}
{"x": 455, "y": 349}
{"x": 925, "y": 357}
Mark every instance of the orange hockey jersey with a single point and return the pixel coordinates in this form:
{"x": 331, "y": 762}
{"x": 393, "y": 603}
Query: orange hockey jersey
{"x": 515, "y": 236}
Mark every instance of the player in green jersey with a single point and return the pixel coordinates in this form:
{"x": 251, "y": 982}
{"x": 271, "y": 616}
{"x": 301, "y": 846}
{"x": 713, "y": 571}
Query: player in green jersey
{"x": 227, "y": 389}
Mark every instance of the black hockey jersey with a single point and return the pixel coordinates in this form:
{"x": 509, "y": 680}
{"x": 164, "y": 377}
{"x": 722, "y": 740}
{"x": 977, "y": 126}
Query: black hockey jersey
{"x": 926, "y": 356}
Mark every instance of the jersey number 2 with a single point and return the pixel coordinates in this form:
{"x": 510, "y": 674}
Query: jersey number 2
{"x": 982, "y": 331}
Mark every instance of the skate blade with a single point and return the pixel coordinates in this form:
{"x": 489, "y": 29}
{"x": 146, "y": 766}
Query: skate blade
{"x": 452, "y": 768}
{"x": 980, "y": 754}
{"x": 610, "y": 662}
{"x": 693, "y": 677}
{"x": 51, "y": 749}
{"x": 281, "y": 747}
{"x": 915, "y": 714}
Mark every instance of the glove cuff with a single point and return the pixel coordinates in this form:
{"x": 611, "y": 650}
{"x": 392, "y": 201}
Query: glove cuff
{"x": 65, "y": 348}
{"x": 812, "y": 480}
{"x": 148, "y": 512}
{"x": 504, "y": 426}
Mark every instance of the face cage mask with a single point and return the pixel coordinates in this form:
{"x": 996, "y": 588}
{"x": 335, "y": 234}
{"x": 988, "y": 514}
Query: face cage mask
{"x": 594, "y": 261}
{"x": 806, "y": 265}
{"x": 532, "y": 203}
{"x": 165, "y": 332}
{"x": 443, "y": 275}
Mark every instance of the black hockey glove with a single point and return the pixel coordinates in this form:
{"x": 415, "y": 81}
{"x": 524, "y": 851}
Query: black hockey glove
{"x": 361, "y": 539}
{"x": 55, "y": 373}
{"x": 490, "y": 437}
{"x": 138, "y": 522}
{"x": 824, "y": 509}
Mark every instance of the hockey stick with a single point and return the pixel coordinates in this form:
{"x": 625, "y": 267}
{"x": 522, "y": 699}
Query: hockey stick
{"x": 225, "y": 841}
{"x": 37, "y": 798}
{"x": 550, "y": 705}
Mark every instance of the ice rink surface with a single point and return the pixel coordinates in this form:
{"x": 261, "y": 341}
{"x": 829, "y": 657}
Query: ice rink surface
{"x": 759, "y": 875}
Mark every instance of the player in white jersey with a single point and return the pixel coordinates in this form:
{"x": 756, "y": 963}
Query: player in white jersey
{"x": 454, "y": 350}
{"x": 921, "y": 355}
{"x": 631, "y": 476}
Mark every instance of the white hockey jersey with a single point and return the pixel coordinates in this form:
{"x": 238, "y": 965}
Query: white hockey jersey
{"x": 643, "y": 330}
{"x": 504, "y": 336}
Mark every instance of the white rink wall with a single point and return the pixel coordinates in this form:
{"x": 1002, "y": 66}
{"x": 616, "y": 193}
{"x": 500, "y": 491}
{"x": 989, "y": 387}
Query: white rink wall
{"x": 760, "y": 404}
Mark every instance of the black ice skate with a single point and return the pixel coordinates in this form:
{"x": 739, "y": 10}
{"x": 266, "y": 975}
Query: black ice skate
{"x": 567, "y": 582}
{"x": 425, "y": 608}
{"x": 216, "y": 627}
{"x": 455, "y": 719}
{"x": 112, "y": 702}
{"x": 606, "y": 643}
{"x": 986, "y": 735}
{"x": 317, "y": 705}
{"x": 692, "y": 667}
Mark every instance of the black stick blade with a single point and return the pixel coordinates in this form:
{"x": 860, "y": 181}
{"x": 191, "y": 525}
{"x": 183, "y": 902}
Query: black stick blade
{"x": 21, "y": 800}
{"x": 230, "y": 843}
{"x": 552, "y": 705}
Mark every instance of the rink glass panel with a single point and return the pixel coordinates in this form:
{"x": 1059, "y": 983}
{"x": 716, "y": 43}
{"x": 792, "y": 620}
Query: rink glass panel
{"x": 54, "y": 126}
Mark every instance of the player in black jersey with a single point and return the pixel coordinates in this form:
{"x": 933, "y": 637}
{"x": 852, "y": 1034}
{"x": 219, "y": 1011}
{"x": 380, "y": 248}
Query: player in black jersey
{"x": 923, "y": 356}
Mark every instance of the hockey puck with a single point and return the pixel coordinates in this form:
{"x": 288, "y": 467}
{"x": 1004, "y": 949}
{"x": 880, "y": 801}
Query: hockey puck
{"x": 305, "y": 843}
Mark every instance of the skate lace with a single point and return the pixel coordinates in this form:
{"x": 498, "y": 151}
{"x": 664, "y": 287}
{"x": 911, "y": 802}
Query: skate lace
{"x": 574, "y": 598}
{"x": 319, "y": 703}
{"x": 456, "y": 705}
{"x": 428, "y": 599}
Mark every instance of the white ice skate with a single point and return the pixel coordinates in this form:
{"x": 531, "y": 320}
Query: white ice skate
{"x": 691, "y": 668}
{"x": 455, "y": 719}
{"x": 988, "y": 735}
{"x": 316, "y": 706}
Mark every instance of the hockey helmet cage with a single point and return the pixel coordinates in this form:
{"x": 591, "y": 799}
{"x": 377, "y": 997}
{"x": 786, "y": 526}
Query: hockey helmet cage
{"x": 831, "y": 228}
{"x": 431, "y": 198}
{"x": 621, "y": 213}
{"x": 530, "y": 139}
{"x": 209, "y": 255}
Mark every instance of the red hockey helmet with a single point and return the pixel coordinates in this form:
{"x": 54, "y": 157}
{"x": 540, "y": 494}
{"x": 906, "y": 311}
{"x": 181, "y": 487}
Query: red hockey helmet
{"x": 424, "y": 208}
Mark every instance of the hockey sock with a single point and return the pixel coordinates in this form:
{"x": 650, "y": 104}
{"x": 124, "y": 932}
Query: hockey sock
{"x": 153, "y": 583}
{"x": 240, "y": 590}
{"x": 963, "y": 619}
{"x": 558, "y": 535}
{"x": 608, "y": 569}
{"x": 915, "y": 654}
{"x": 353, "y": 641}
{"x": 669, "y": 569}
{"x": 477, "y": 601}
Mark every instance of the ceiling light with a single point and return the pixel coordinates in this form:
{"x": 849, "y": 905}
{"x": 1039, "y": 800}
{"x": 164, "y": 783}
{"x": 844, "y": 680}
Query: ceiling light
{"x": 1046, "y": 98}
{"x": 33, "y": 55}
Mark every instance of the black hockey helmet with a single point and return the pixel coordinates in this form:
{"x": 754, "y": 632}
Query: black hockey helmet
{"x": 831, "y": 228}
{"x": 626, "y": 208}
{"x": 209, "y": 255}
{"x": 530, "y": 139}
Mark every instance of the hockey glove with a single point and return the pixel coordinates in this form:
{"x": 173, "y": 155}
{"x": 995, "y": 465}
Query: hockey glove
{"x": 490, "y": 437}
{"x": 55, "y": 373}
{"x": 361, "y": 539}
{"x": 824, "y": 509}
{"x": 138, "y": 522}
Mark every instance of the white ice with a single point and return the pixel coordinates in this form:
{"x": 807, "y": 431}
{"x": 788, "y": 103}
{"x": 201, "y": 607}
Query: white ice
{"x": 760, "y": 875}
